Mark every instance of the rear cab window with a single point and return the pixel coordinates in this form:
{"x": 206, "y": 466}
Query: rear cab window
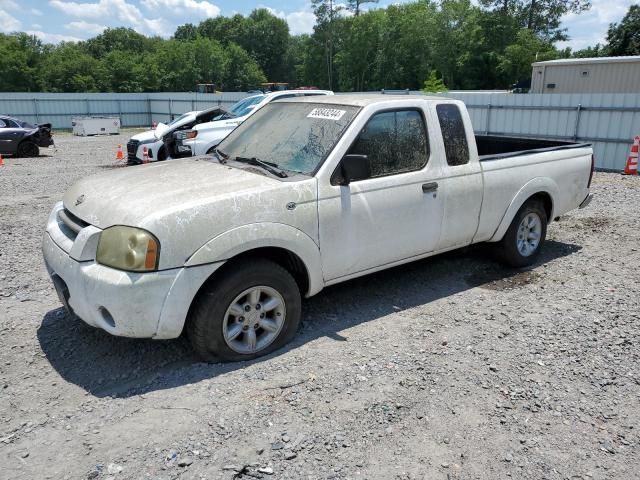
{"x": 454, "y": 134}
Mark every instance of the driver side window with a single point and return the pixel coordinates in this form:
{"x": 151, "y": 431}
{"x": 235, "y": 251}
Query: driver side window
{"x": 2, "y": 124}
{"x": 395, "y": 142}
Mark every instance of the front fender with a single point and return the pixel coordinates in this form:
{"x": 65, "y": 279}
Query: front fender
{"x": 534, "y": 186}
{"x": 259, "y": 235}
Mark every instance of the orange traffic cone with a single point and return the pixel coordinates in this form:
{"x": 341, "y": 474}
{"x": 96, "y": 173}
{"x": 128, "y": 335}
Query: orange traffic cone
{"x": 119, "y": 154}
{"x": 1, "y": 160}
{"x": 631, "y": 168}
{"x": 145, "y": 155}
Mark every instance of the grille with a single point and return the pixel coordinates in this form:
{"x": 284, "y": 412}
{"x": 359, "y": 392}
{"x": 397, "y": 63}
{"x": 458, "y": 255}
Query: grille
{"x": 132, "y": 148}
{"x": 72, "y": 224}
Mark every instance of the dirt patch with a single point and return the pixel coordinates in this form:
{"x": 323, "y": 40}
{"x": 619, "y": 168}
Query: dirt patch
{"x": 594, "y": 224}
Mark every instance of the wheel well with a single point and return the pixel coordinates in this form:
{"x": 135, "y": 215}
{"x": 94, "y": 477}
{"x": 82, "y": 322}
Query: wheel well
{"x": 545, "y": 198}
{"x": 283, "y": 257}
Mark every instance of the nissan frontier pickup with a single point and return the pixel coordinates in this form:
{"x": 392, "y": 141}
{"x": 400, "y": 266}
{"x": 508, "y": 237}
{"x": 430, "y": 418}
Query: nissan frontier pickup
{"x": 306, "y": 193}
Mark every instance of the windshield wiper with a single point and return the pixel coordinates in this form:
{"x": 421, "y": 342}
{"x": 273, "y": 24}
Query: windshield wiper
{"x": 268, "y": 166}
{"x": 221, "y": 156}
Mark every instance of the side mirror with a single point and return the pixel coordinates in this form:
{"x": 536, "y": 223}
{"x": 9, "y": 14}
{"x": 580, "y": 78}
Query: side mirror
{"x": 354, "y": 167}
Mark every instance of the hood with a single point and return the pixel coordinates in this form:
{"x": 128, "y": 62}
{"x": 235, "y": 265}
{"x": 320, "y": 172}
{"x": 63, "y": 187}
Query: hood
{"x": 161, "y": 129}
{"x": 185, "y": 203}
{"x": 135, "y": 195}
{"x": 147, "y": 135}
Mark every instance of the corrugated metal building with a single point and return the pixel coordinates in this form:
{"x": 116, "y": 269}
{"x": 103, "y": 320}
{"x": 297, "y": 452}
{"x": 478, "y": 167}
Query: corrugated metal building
{"x": 587, "y": 75}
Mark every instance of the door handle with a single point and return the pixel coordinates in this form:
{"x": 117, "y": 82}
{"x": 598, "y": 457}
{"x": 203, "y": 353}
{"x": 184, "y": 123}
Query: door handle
{"x": 429, "y": 187}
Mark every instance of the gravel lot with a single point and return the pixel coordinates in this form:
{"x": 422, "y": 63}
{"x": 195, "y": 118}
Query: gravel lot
{"x": 450, "y": 368}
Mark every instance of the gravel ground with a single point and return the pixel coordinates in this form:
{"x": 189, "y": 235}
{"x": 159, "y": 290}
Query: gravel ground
{"x": 449, "y": 368}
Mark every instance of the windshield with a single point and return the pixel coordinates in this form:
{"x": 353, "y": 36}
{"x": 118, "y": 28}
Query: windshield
{"x": 243, "y": 107}
{"x": 177, "y": 119}
{"x": 294, "y": 136}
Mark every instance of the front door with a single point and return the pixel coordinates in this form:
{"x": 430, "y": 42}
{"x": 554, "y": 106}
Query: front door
{"x": 395, "y": 214}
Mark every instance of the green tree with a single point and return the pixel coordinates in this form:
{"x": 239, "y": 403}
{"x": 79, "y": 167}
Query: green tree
{"x": 68, "y": 68}
{"x": 624, "y": 38}
{"x": 356, "y": 64}
{"x": 515, "y": 62}
{"x": 354, "y": 5}
{"x": 326, "y": 13}
{"x": 120, "y": 39}
{"x": 188, "y": 31}
{"x": 183, "y": 64}
{"x": 19, "y": 62}
{"x": 266, "y": 38}
{"x": 542, "y": 17}
{"x": 241, "y": 71}
{"x": 434, "y": 84}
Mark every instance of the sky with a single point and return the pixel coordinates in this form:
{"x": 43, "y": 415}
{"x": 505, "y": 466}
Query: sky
{"x": 64, "y": 20}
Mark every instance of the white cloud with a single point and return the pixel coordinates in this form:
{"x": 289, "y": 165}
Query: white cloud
{"x": 8, "y": 5}
{"x": 155, "y": 26}
{"x": 8, "y": 23}
{"x": 85, "y": 27}
{"x": 590, "y": 27}
{"x": 53, "y": 37}
{"x": 126, "y": 13}
{"x": 119, "y": 9}
{"x": 299, "y": 22}
{"x": 36, "y": 12}
{"x": 201, "y": 8}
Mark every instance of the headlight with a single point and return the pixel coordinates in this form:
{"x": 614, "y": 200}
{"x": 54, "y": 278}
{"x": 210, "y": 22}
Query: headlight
{"x": 128, "y": 248}
{"x": 186, "y": 134}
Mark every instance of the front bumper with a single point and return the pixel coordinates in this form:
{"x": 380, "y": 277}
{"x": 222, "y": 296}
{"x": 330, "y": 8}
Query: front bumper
{"x": 142, "y": 305}
{"x": 184, "y": 147}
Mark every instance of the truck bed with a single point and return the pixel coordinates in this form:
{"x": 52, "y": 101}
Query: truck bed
{"x": 492, "y": 147}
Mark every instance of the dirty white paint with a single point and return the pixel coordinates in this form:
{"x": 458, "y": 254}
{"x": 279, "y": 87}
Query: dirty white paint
{"x": 204, "y": 213}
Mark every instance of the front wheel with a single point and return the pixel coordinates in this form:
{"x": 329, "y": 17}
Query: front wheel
{"x": 523, "y": 241}
{"x": 28, "y": 149}
{"x": 162, "y": 154}
{"x": 251, "y": 310}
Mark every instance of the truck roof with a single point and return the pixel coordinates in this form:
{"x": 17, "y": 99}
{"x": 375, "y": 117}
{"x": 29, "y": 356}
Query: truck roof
{"x": 359, "y": 100}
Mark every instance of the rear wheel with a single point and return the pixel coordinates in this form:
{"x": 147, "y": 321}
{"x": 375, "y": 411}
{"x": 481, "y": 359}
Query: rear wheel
{"x": 28, "y": 149}
{"x": 523, "y": 241}
{"x": 249, "y": 311}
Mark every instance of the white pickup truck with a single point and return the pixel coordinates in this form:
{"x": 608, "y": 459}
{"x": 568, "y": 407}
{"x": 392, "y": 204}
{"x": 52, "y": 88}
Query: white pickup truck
{"x": 306, "y": 193}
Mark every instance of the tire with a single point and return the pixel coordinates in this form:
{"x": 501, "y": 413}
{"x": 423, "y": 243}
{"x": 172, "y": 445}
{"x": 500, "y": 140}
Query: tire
{"x": 162, "y": 154}
{"x": 224, "y": 306}
{"x": 518, "y": 247}
{"x": 28, "y": 149}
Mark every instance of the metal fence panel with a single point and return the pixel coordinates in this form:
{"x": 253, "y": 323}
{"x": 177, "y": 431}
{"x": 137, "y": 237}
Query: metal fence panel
{"x": 134, "y": 109}
{"x": 609, "y": 121}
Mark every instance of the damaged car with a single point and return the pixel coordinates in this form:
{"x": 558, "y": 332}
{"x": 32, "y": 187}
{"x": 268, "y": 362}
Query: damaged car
{"x": 23, "y": 139}
{"x": 160, "y": 141}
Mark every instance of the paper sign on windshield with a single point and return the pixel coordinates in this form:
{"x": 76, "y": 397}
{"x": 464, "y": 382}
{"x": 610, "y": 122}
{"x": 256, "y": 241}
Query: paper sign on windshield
{"x": 327, "y": 113}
